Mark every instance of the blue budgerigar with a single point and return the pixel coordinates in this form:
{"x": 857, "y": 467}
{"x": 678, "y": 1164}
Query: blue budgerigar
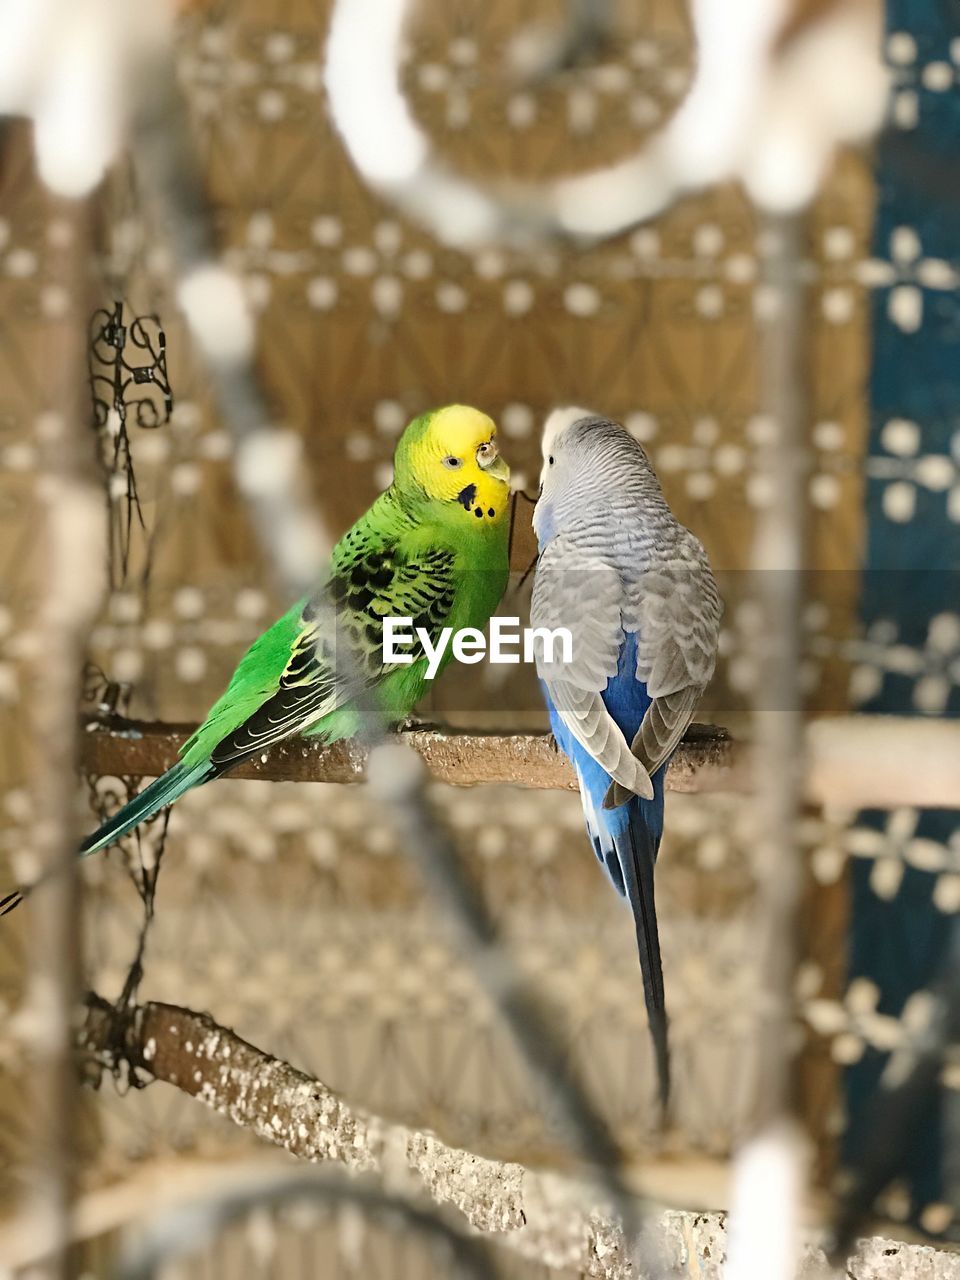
{"x": 634, "y": 589}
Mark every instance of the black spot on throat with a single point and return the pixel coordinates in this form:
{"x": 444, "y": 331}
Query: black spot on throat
{"x": 466, "y": 496}
{"x": 490, "y": 511}
{"x": 478, "y": 512}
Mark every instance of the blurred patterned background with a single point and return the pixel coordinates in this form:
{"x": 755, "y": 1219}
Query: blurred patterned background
{"x": 287, "y": 911}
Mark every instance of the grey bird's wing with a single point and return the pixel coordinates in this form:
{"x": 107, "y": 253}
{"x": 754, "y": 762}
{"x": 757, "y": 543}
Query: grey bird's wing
{"x": 581, "y": 592}
{"x": 675, "y": 610}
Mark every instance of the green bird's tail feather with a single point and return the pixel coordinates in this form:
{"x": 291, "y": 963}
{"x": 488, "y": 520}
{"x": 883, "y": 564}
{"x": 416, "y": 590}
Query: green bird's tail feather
{"x": 162, "y": 791}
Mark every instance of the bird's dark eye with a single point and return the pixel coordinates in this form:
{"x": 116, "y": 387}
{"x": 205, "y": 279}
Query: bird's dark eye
{"x": 452, "y": 463}
{"x": 550, "y": 460}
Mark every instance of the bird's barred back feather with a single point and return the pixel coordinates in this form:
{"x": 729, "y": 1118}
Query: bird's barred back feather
{"x": 379, "y": 580}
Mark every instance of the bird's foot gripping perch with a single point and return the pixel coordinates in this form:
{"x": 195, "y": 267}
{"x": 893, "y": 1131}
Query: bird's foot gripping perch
{"x": 412, "y": 723}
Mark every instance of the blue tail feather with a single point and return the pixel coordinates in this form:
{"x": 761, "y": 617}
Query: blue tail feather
{"x": 636, "y": 847}
{"x": 626, "y": 840}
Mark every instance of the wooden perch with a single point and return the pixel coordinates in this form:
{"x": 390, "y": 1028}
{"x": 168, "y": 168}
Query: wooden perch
{"x": 556, "y": 1220}
{"x": 121, "y": 747}
{"x": 857, "y": 762}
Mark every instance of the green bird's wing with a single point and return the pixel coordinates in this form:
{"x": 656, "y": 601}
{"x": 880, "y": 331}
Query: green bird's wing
{"x": 289, "y": 678}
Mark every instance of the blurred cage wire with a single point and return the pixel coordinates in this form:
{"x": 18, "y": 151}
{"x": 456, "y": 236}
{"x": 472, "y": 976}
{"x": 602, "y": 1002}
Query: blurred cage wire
{"x": 293, "y": 914}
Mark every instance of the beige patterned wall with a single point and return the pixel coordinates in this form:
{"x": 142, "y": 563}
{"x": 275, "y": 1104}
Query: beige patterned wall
{"x": 288, "y": 911}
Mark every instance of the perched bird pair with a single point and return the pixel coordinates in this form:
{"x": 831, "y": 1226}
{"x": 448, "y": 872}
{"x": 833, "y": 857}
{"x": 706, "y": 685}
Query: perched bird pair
{"x": 630, "y": 583}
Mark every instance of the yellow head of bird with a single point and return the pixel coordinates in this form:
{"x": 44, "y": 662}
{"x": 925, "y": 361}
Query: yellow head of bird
{"x": 451, "y": 456}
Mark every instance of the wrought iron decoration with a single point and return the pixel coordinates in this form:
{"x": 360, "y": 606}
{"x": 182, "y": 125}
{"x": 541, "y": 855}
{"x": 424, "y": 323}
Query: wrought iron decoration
{"x": 114, "y": 369}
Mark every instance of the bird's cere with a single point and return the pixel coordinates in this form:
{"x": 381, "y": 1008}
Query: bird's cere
{"x": 509, "y": 644}
{"x": 216, "y": 308}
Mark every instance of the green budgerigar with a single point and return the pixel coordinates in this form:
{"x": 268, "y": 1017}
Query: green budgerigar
{"x": 432, "y": 548}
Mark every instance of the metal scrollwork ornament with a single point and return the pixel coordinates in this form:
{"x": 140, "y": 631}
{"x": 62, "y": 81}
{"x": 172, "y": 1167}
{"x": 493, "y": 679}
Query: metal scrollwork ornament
{"x": 128, "y": 376}
{"x": 123, "y": 359}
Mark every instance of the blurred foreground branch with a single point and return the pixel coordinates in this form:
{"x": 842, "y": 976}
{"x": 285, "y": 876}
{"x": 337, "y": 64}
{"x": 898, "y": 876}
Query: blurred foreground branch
{"x": 770, "y": 1165}
{"x": 557, "y": 1221}
{"x": 776, "y": 87}
{"x": 69, "y": 578}
{"x": 266, "y": 457}
{"x": 551, "y": 1218}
